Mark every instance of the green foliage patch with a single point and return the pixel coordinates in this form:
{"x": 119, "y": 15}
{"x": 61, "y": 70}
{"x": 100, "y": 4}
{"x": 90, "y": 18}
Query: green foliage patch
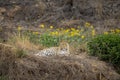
{"x": 106, "y": 47}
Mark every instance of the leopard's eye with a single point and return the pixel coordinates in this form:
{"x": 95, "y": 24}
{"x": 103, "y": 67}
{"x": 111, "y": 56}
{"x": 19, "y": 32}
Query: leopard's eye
{"x": 61, "y": 48}
{"x": 66, "y": 49}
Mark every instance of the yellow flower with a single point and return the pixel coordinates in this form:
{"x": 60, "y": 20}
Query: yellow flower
{"x": 93, "y": 32}
{"x": 42, "y": 25}
{"x": 71, "y": 34}
{"x": 112, "y": 30}
{"x": 19, "y": 28}
{"x": 73, "y": 29}
{"x": 67, "y": 30}
{"x": 106, "y": 33}
{"x": 52, "y": 33}
{"x": 56, "y": 33}
{"x": 51, "y": 27}
{"x": 36, "y": 33}
{"x": 77, "y": 31}
{"x": 91, "y": 27}
{"x": 118, "y": 30}
{"x": 82, "y": 37}
{"x": 87, "y": 24}
{"x": 78, "y": 26}
{"x": 77, "y": 34}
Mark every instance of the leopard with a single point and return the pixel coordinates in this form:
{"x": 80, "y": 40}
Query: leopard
{"x": 62, "y": 49}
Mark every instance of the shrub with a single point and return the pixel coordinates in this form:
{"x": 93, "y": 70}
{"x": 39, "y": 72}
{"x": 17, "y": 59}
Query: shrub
{"x": 106, "y": 47}
{"x": 48, "y": 40}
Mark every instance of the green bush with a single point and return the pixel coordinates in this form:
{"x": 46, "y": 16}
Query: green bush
{"x": 106, "y": 47}
{"x": 44, "y": 39}
{"x": 48, "y": 40}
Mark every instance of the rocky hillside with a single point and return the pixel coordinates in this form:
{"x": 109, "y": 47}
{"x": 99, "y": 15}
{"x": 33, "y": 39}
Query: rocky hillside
{"x": 56, "y": 12}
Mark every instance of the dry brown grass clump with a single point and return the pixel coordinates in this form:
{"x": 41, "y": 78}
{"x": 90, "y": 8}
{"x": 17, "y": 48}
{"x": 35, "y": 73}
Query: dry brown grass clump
{"x": 23, "y": 42}
{"x": 31, "y": 67}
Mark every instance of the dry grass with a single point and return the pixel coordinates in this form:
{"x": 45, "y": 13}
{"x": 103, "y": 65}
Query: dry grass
{"x": 69, "y": 22}
{"x": 24, "y": 43}
{"x": 6, "y": 58}
{"x": 31, "y": 67}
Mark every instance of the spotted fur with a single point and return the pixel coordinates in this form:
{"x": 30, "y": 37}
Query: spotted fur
{"x": 63, "y": 49}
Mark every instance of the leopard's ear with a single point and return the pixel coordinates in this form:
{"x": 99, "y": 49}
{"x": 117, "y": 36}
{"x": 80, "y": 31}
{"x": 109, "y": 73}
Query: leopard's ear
{"x": 63, "y": 43}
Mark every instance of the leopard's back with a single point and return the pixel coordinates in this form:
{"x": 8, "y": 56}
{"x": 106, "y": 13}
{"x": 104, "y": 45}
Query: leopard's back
{"x": 48, "y": 51}
{"x": 63, "y": 49}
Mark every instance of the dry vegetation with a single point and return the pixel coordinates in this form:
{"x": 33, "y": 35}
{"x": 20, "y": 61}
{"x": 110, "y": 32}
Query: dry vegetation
{"x": 30, "y": 67}
{"x": 23, "y": 43}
